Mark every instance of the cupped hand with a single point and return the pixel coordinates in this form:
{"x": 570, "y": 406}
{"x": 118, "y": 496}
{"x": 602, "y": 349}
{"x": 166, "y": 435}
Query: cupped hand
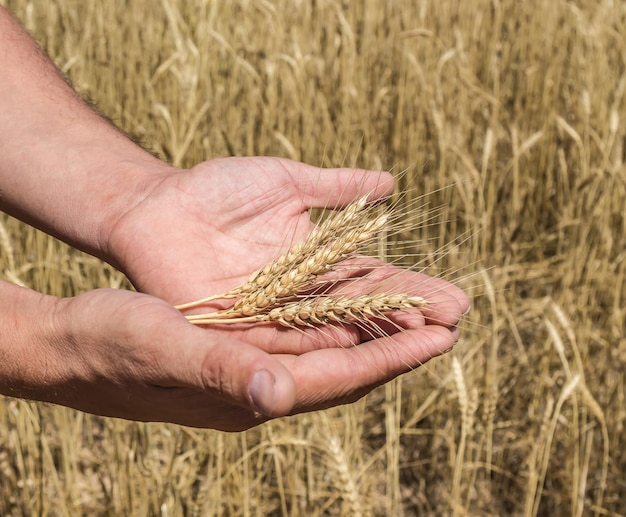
{"x": 203, "y": 231}
{"x": 129, "y": 355}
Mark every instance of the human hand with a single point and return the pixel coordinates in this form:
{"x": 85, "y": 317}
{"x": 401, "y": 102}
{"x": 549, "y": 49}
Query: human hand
{"x": 134, "y": 356}
{"x": 129, "y": 355}
{"x": 203, "y": 231}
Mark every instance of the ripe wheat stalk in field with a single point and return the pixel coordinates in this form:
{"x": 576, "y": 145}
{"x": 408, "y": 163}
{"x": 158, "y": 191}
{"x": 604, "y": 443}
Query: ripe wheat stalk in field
{"x": 278, "y": 291}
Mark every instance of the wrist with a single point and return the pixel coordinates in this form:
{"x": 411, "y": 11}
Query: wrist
{"x": 28, "y": 360}
{"x": 131, "y": 182}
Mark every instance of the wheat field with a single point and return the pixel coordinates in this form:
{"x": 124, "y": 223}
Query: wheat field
{"x": 509, "y": 117}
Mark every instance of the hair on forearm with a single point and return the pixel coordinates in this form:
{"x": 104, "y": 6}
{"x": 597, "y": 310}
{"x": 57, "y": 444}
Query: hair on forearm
{"x": 81, "y": 96}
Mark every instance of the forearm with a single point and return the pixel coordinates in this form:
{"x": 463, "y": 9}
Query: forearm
{"x": 63, "y": 168}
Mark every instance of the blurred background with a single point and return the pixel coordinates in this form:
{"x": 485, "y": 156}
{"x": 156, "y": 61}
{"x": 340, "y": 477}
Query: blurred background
{"x": 509, "y": 117}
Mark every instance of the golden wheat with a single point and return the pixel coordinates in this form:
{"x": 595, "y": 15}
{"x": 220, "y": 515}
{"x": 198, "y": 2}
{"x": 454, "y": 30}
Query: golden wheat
{"x": 272, "y": 293}
{"x": 332, "y": 241}
{"x": 319, "y": 310}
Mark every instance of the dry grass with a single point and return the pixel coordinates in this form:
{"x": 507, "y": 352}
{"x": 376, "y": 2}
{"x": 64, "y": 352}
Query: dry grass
{"x": 517, "y": 108}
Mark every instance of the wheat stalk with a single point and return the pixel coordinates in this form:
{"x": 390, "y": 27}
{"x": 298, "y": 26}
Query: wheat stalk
{"x": 318, "y": 310}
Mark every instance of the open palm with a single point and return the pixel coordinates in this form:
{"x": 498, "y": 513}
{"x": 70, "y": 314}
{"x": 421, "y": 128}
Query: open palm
{"x": 204, "y": 231}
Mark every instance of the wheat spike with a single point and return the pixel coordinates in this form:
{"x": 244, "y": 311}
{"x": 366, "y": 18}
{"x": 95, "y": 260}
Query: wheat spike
{"x": 319, "y": 310}
{"x": 348, "y": 484}
{"x": 321, "y": 235}
{"x": 335, "y": 229}
{"x": 274, "y": 292}
{"x": 268, "y": 290}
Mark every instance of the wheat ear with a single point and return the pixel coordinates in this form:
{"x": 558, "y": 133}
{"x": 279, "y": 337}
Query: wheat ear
{"x": 321, "y": 235}
{"x": 274, "y": 292}
{"x": 334, "y": 240}
{"x": 318, "y": 310}
{"x": 271, "y": 290}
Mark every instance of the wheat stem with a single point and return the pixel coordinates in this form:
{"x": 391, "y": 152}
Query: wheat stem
{"x": 203, "y": 301}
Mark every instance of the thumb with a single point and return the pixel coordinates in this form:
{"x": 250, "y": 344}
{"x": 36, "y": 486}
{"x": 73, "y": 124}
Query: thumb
{"x": 241, "y": 373}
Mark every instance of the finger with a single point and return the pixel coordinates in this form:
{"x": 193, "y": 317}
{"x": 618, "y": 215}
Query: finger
{"x": 277, "y": 339}
{"x": 445, "y": 302}
{"x": 338, "y": 187}
{"x": 247, "y": 376}
{"x": 338, "y": 376}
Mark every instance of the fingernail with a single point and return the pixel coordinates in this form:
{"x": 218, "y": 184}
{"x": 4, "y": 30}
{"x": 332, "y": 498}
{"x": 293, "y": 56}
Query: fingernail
{"x": 262, "y": 392}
